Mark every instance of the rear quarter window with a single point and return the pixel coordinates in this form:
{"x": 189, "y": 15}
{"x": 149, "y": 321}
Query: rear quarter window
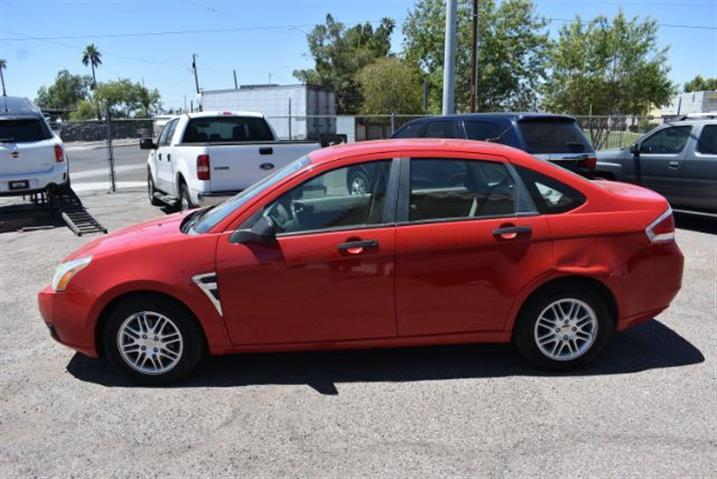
{"x": 549, "y": 195}
{"x": 553, "y": 136}
{"x": 23, "y": 130}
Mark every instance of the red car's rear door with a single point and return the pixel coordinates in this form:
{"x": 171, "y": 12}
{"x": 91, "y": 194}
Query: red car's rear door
{"x": 328, "y": 277}
{"x": 467, "y": 247}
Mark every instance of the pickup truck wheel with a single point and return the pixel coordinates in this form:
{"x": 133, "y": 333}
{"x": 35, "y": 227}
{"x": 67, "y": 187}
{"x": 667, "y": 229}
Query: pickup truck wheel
{"x": 185, "y": 201}
{"x": 151, "y": 190}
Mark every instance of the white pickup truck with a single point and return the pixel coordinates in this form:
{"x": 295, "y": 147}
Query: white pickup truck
{"x": 203, "y": 158}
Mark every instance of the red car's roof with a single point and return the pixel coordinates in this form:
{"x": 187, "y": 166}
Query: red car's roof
{"x": 423, "y": 144}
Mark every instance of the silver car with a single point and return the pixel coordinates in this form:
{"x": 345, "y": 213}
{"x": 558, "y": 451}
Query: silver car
{"x": 677, "y": 159}
{"x": 32, "y": 157}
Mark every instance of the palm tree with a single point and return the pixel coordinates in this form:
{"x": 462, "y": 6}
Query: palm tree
{"x": 3, "y": 66}
{"x": 92, "y": 56}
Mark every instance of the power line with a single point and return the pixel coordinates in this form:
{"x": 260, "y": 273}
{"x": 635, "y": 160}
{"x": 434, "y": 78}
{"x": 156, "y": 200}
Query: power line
{"x": 167, "y": 32}
{"x": 666, "y": 25}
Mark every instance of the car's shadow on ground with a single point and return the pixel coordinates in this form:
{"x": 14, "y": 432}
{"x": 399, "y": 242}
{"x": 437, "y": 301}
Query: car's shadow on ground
{"x": 698, "y": 223}
{"x": 650, "y": 346}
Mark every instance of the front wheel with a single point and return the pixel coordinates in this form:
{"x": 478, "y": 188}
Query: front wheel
{"x": 357, "y": 182}
{"x": 151, "y": 190}
{"x": 563, "y": 328}
{"x": 153, "y": 340}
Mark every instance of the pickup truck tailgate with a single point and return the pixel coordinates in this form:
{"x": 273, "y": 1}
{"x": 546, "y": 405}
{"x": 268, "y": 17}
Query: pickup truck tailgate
{"x": 235, "y": 167}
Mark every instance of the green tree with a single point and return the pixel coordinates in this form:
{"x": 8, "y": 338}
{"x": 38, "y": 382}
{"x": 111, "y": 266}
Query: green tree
{"x": 607, "y": 67}
{"x": 511, "y": 57}
{"x": 389, "y": 85}
{"x": 85, "y": 110}
{"x": 340, "y": 52}
{"x": 126, "y": 99}
{"x": 92, "y": 56}
{"x": 699, "y": 83}
{"x": 65, "y": 93}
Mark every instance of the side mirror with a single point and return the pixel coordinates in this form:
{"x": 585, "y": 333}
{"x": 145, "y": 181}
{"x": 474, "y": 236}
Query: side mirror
{"x": 261, "y": 232}
{"x": 147, "y": 144}
{"x": 635, "y": 149}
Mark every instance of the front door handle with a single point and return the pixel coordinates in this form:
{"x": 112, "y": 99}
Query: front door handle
{"x": 169, "y": 156}
{"x": 510, "y": 232}
{"x": 159, "y": 155}
{"x": 674, "y": 164}
{"x": 356, "y": 247}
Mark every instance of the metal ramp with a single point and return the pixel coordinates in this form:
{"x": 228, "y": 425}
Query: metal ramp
{"x": 68, "y": 205}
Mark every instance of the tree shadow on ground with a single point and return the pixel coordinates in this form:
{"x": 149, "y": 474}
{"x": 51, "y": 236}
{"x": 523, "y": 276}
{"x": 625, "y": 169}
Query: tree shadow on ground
{"x": 650, "y": 346}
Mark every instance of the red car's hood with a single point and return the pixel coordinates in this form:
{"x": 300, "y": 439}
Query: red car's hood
{"x": 135, "y": 236}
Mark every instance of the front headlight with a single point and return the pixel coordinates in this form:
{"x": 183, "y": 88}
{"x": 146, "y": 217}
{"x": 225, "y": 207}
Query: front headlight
{"x": 65, "y": 272}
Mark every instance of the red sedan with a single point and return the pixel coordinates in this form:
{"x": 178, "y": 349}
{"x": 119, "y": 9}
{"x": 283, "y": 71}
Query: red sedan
{"x": 447, "y": 241}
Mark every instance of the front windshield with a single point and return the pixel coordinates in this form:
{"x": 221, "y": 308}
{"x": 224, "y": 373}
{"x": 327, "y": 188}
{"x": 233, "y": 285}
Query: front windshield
{"x": 214, "y": 216}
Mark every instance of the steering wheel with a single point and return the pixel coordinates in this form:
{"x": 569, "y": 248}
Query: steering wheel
{"x": 297, "y": 210}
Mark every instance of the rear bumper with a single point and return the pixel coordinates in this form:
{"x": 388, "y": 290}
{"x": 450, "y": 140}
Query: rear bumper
{"x": 212, "y": 198}
{"x": 650, "y": 282}
{"x": 66, "y": 316}
{"x": 36, "y": 181}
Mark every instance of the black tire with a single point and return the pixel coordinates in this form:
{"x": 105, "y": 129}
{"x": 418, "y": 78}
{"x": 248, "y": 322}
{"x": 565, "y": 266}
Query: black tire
{"x": 185, "y": 201}
{"x": 151, "y": 190}
{"x": 355, "y": 178}
{"x": 192, "y": 338}
{"x": 525, "y": 333}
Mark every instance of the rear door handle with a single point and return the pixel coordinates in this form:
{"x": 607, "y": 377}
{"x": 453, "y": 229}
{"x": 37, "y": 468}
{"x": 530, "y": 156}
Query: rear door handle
{"x": 356, "y": 247}
{"x": 674, "y": 164}
{"x": 266, "y": 151}
{"x": 169, "y": 156}
{"x": 510, "y": 232}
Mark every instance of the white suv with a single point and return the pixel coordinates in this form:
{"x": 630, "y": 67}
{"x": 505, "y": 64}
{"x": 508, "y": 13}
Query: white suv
{"x": 32, "y": 158}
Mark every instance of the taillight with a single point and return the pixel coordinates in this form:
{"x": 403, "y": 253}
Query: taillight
{"x": 662, "y": 230}
{"x": 203, "y": 172}
{"x": 590, "y": 162}
{"x": 59, "y": 154}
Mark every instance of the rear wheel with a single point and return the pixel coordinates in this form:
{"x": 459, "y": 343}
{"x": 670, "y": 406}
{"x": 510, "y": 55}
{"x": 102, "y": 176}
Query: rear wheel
{"x": 563, "y": 328}
{"x": 185, "y": 201}
{"x": 357, "y": 182}
{"x": 153, "y": 340}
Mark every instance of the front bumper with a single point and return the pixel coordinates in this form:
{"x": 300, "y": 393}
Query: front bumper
{"x": 66, "y": 314}
{"x": 37, "y": 181}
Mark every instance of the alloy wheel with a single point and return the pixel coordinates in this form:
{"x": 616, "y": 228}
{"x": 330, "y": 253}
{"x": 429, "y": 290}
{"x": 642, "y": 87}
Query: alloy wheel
{"x": 150, "y": 343}
{"x": 566, "y": 329}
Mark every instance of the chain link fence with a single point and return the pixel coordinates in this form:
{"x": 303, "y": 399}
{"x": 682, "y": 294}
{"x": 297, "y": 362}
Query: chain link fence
{"x": 110, "y": 149}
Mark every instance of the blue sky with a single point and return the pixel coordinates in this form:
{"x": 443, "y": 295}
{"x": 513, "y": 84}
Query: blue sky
{"x": 252, "y": 46}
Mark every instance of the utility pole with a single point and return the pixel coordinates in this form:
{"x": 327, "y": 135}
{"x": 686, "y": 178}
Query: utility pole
{"x": 449, "y": 59}
{"x": 474, "y": 63}
{"x": 2, "y": 77}
{"x": 236, "y": 85}
{"x": 194, "y": 68}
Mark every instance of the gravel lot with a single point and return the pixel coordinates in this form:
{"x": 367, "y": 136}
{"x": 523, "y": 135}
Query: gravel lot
{"x": 646, "y": 408}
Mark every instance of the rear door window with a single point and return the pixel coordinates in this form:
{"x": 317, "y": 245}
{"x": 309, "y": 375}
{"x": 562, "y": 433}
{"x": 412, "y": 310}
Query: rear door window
{"x": 483, "y": 130}
{"x": 453, "y": 189}
{"x": 708, "y": 140}
{"x": 227, "y": 129}
{"x": 23, "y": 130}
{"x": 414, "y": 130}
{"x": 553, "y": 136}
{"x": 441, "y": 129}
{"x": 668, "y": 141}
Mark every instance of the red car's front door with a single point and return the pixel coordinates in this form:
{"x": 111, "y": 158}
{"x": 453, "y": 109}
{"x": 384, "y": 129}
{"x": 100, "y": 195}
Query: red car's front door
{"x": 328, "y": 277}
{"x": 464, "y": 253}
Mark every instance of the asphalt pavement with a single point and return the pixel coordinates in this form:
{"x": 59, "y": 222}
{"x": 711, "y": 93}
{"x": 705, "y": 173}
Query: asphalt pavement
{"x": 645, "y": 408}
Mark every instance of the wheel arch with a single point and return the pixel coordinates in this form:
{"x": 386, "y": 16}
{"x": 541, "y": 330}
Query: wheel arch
{"x": 572, "y": 281}
{"x": 114, "y": 302}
